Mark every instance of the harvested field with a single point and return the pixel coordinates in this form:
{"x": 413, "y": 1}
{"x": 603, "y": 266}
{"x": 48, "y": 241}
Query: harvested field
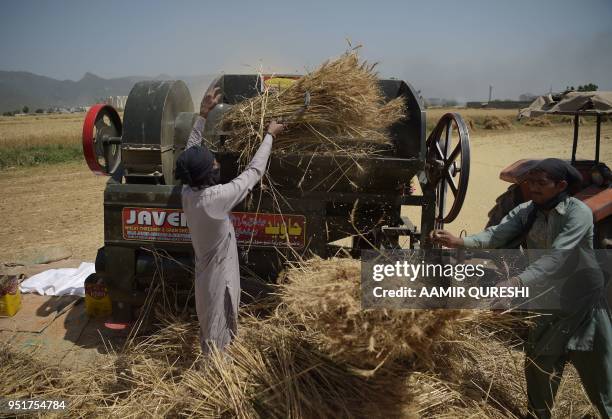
{"x": 39, "y": 130}
{"x": 31, "y": 140}
{"x": 46, "y": 210}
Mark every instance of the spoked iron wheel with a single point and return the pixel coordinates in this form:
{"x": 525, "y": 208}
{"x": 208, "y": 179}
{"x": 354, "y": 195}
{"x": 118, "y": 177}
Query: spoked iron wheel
{"x": 448, "y": 166}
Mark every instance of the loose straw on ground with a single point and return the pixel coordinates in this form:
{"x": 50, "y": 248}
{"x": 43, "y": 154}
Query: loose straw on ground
{"x": 313, "y": 354}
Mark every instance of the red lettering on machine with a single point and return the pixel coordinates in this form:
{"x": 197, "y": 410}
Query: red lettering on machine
{"x": 257, "y": 229}
{"x": 155, "y": 224}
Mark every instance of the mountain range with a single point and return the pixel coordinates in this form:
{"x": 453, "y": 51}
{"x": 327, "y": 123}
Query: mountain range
{"x": 21, "y": 88}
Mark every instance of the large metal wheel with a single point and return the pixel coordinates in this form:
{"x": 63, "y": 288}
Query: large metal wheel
{"x": 448, "y": 166}
{"x": 152, "y": 111}
{"x": 102, "y": 125}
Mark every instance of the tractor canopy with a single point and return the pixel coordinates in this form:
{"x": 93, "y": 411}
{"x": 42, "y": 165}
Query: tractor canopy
{"x": 570, "y": 103}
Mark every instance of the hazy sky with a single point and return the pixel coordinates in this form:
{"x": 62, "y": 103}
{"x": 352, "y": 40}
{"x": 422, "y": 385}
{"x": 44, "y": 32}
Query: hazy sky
{"x": 444, "y": 48}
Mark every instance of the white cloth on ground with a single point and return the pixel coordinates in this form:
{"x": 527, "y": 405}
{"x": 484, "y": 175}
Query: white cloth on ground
{"x": 65, "y": 281}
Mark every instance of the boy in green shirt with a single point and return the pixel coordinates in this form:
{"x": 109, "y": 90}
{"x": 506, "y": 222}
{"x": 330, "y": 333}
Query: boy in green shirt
{"x": 583, "y": 335}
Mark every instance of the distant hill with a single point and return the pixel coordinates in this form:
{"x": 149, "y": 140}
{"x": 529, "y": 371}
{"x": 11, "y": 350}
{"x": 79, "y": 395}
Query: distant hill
{"x": 19, "y": 88}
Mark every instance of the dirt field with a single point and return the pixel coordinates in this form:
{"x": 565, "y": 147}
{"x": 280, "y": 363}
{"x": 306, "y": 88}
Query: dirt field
{"x": 61, "y": 205}
{"x": 58, "y": 205}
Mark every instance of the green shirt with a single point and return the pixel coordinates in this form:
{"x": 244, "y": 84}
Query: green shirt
{"x": 568, "y": 225}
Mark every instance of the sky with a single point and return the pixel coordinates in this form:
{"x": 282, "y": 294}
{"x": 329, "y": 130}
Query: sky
{"x": 450, "y": 49}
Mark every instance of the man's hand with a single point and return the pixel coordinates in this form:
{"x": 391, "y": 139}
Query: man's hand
{"x": 445, "y": 238}
{"x": 505, "y": 303}
{"x": 211, "y": 98}
{"x": 275, "y": 128}
{"x": 501, "y": 304}
{"x": 512, "y": 282}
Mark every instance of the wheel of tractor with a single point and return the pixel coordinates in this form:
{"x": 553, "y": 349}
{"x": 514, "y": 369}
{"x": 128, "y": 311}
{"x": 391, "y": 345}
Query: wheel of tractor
{"x": 504, "y": 204}
{"x": 603, "y": 240}
{"x": 603, "y": 234}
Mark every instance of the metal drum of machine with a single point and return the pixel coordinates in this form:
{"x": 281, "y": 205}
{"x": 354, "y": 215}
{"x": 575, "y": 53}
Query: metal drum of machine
{"x": 324, "y": 198}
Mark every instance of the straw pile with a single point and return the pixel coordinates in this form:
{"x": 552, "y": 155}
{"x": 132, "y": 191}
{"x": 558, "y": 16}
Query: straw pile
{"x": 541, "y": 121}
{"x": 291, "y": 363}
{"x": 275, "y": 370}
{"x": 494, "y": 122}
{"x": 324, "y": 296}
{"x": 568, "y": 119}
{"x": 347, "y": 112}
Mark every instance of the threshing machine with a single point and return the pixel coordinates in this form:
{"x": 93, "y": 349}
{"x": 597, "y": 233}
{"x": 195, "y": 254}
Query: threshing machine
{"x": 316, "y": 199}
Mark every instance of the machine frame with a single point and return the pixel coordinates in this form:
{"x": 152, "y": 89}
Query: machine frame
{"x": 157, "y": 120}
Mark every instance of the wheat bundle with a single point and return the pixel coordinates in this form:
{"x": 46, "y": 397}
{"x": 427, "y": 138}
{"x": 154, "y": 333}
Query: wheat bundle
{"x": 494, "y": 122}
{"x": 347, "y": 112}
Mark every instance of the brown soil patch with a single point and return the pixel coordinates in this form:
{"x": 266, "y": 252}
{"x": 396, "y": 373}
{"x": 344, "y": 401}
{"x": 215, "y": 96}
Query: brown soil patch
{"x": 59, "y": 205}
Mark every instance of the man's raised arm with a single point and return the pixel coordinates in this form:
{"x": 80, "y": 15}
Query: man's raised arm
{"x": 211, "y": 98}
{"x": 230, "y": 194}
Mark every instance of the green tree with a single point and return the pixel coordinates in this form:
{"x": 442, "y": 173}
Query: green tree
{"x": 25, "y": 109}
{"x": 591, "y": 87}
{"x": 39, "y": 110}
